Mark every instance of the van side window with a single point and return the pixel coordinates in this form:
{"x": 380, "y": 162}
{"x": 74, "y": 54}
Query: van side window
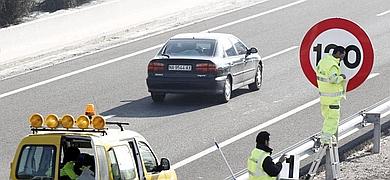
{"x": 36, "y": 161}
{"x": 148, "y": 157}
{"x": 78, "y": 150}
{"x": 114, "y": 165}
{"x": 122, "y": 163}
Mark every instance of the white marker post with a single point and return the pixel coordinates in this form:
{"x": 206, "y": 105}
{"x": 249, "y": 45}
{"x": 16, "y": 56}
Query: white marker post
{"x": 224, "y": 158}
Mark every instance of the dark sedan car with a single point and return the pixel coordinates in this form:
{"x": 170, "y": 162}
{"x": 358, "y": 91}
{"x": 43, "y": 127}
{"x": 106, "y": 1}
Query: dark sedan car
{"x": 203, "y": 63}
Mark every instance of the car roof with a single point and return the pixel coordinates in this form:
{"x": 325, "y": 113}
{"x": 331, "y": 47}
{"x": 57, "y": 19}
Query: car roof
{"x": 214, "y": 36}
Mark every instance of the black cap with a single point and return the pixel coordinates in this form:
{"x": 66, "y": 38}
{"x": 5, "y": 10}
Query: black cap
{"x": 71, "y": 154}
{"x": 340, "y": 49}
{"x": 262, "y": 137}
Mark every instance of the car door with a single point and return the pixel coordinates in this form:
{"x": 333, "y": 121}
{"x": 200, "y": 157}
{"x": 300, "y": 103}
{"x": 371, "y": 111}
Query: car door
{"x": 233, "y": 60}
{"x": 249, "y": 61}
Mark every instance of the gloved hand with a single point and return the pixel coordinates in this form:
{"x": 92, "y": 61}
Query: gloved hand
{"x": 282, "y": 158}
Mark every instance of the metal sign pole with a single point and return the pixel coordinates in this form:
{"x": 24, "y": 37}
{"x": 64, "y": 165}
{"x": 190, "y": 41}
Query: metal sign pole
{"x": 224, "y": 158}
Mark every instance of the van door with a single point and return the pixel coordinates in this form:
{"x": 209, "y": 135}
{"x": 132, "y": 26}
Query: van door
{"x": 151, "y": 166}
{"x": 149, "y": 161}
{"x": 101, "y": 163}
{"x": 122, "y": 163}
{"x": 137, "y": 157}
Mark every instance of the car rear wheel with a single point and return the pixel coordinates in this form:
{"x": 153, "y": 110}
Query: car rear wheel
{"x": 227, "y": 91}
{"x": 157, "y": 97}
{"x": 258, "y": 79}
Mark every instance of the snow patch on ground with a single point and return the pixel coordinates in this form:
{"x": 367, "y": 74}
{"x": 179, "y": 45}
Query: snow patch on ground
{"x": 122, "y": 35}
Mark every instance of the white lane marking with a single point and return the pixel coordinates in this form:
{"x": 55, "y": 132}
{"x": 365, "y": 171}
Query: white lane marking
{"x": 108, "y": 116}
{"x": 383, "y": 13}
{"x": 385, "y": 114}
{"x": 105, "y": 63}
{"x": 265, "y": 58}
{"x": 251, "y": 131}
{"x": 256, "y": 15}
{"x": 372, "y": 75}
{"x": 245, "y": 133}
{"x": 76, "y": 72}
{"x": 127, "y": 56}
{"x": 280, "y": 52}
{"x": 150, "y": 35}
{"x": 246, "y": 175}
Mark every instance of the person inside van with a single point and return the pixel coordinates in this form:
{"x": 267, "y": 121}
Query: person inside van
{"x": 70, "y": 157}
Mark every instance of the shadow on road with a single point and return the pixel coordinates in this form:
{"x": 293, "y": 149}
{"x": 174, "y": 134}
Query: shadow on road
{"x": 173, "y": 105}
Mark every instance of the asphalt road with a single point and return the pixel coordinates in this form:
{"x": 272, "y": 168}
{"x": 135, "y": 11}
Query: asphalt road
{"x": 185, "y": 125}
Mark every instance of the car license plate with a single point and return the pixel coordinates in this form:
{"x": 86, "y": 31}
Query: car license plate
{"x": 176, "y": 67}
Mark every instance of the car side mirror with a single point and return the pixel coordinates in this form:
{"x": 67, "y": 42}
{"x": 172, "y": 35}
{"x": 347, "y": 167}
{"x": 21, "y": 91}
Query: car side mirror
{"x": 165, "y": 164}
{"x": 252, "y": 50}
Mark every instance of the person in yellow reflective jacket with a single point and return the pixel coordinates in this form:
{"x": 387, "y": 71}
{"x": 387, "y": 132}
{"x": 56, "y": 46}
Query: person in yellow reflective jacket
{"x": 70, "y": 157}
{"x": 331, "y": 86}
{"x": 260, "y": 163}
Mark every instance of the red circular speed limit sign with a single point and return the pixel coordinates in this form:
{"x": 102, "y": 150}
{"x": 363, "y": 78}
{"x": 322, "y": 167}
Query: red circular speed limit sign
{"x": 324, "y": 36}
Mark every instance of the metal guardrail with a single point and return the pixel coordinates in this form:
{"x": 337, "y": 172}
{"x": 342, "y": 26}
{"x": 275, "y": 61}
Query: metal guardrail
{"x": 349, "y": 126}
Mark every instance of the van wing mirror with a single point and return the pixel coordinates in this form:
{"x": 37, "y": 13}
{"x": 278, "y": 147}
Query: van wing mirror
{"x": 165, "y": 164}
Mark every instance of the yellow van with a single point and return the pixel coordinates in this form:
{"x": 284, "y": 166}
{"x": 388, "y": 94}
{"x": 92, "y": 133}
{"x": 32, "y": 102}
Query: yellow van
{"x": 65, "y": 148}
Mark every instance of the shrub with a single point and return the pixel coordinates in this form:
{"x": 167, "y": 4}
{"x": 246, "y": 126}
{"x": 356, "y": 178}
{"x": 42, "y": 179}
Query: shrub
{"x": 54, "y": 5}
{"x": 11, "y": 11}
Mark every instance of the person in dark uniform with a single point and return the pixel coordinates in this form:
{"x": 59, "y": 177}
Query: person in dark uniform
{"x": 260, "y": 162}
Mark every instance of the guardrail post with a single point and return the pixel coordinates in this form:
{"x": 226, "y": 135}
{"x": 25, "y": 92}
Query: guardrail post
{"x": 375, "y": 118}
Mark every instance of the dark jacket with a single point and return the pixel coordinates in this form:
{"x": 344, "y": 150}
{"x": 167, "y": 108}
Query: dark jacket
{"x": 269, "y": 166}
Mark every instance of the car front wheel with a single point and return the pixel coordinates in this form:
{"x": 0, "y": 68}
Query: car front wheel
{"x": 258, "y": 79}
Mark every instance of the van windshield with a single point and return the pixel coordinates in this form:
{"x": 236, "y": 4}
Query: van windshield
{"x": 190, "y": 47}
{"x": 36, "y": 162}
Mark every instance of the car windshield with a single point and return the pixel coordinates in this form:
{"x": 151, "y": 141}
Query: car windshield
{"x": 190, "y": 47}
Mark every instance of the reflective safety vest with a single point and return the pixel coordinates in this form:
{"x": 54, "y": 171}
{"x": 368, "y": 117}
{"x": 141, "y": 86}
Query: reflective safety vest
{"x": 68, "y": 170}
{"x": 331, "y": 85}
{"x": 255, "y": 165}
